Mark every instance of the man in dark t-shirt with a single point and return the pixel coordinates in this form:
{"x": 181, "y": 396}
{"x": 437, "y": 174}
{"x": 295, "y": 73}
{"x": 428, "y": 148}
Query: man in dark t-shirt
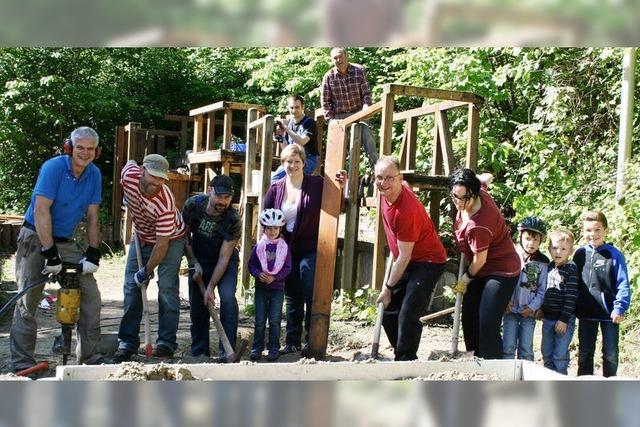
{"x": 213, "y": 230}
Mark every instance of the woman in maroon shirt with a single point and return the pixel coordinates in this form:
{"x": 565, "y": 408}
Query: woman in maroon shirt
{"x": 493, "y": 264}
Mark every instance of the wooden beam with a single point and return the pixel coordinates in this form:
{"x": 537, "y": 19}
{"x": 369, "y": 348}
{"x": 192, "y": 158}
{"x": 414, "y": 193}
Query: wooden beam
{"x": 411, "y": 142}
{"x": 386, "y": 131}
{"x": 451, "y": 95}
{"x": 471, "y": 160}
{"x": 118, "y": 163}
{"x": 352, "y": 211}
{"x": 266, "y": 156}
{"x": 220, "y": 105}
{"x": 227, "y": 132}
{"x": 158, "y": 132}
{"x": 365, "y": 113}
{"x": 245, "y": 106}
{"x": 436, "y": 169}
{"x": 327, "y": 241}
{"x": 210, "y": 139}
{"x": 177, "y": 118}
{"x": 428, "y": 109}
{"x": 207, "y": 108}
{"x": 445, "y": 142}
{"x": 320, "y": 138}
{"x": 255, "y": 123}
{"x": 184, "y": 125}
{"x": 197, "y": 134}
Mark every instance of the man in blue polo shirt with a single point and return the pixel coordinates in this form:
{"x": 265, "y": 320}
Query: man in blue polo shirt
{"x": 69, "y": 187}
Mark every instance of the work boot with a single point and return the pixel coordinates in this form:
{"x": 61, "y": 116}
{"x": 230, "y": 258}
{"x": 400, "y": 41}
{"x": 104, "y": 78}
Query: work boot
{"x": 122, "y": 355}
{"x": 255, "y": 355}
{"x": 162, "y": 352}
{"x": 305, "y": 350}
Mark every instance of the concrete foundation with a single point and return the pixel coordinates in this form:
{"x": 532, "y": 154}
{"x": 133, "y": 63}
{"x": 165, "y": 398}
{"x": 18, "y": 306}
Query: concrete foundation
{"x": 505, "y": 370}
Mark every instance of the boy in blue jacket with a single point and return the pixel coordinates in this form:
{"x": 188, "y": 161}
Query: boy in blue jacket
{"x": 604, "y": 295}
{"x": 519, "y": 322}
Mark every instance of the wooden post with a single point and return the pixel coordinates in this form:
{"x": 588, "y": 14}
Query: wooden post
{"x": 472, "y": 139}
{"x": 118, "y": 163}
{"x": 184, "y": 122}
{"x": 352, "y": 212}
{"x": 327, "y": 241}
{"x": 411, "y": 143}
{"x": 266, "y": 156}
{"x": 211, "y": 137}
{"x": 386, "y": 129}
{"x": 626, "y": 119}
{"x": 247, "y": 211}
{"x": 226, "y": 142}
{"x": 197, "y": 143}
{"x": 436, "y": 169}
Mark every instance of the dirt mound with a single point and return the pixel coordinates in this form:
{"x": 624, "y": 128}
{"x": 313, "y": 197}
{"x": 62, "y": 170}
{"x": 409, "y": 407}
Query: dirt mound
{"x": 134, "y": 371}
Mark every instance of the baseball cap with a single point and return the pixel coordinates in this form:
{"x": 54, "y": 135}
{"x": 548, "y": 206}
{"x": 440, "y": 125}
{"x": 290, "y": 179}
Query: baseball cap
{"x": 156, "y": 165}
{"x": 222, "y": 184}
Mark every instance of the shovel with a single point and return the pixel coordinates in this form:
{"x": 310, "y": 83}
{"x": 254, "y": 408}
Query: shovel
{"x": 457, "y": 310}
{"x": 148, "y": 348}
{"x": 376, "y": 330}
{"x": 232, "y": 356}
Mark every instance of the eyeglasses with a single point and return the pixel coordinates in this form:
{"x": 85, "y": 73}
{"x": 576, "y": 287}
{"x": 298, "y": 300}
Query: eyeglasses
{"x": 385, "y": 179}
{"x": 464, "y": 198}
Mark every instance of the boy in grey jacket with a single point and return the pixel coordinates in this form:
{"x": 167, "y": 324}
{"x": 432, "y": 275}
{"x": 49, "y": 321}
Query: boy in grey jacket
{"x": 519, "y": 322}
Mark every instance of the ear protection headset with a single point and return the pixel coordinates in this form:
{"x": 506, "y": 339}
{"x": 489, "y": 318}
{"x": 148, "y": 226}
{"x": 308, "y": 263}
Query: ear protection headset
{"x": 68, "y": 148}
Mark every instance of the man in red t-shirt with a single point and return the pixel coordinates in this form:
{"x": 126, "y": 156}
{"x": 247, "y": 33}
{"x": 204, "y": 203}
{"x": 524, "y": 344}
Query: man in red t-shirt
{"x": 419, "y": 259}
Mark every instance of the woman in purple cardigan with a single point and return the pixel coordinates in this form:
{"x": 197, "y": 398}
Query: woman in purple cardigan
{"x": 299, "y": 197}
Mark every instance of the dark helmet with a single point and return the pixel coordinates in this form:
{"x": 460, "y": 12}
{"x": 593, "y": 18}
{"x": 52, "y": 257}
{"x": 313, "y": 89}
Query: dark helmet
{"x": 533, "y": 223}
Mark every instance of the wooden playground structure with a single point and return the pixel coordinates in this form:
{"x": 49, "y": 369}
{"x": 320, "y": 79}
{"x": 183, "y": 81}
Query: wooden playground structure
{"x": 255, "y": 162}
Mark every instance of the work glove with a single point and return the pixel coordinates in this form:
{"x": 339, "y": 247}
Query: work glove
{"x": 142, "y": 277}
{"x": 461, "y": 285}
{"x": 52, "y": 260}
{"x": 197, "y": 270}
{"x": 91, "y": 260}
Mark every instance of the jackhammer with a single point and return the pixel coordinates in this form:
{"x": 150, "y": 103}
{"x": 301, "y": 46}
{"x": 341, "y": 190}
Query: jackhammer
{"x": 67, "y": 307}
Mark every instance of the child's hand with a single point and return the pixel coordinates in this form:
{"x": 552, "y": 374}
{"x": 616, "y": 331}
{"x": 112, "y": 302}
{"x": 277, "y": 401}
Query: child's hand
{"x": 617, "y": 318}
{"x": 561, "y": 327}
{"x": 263, "y": 277}
{"x": 527, "y": 312}
{"x": 509, "y": 308}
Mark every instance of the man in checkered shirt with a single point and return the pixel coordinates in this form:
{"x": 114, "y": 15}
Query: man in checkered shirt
{"x": 345, "y": 91}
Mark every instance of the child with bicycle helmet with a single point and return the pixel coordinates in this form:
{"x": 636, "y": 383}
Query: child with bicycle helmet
{"x": 270, "y": 264}
{"x": 519, "y": 321}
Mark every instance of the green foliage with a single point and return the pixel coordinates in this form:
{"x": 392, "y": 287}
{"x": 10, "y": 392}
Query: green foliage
{"x": 356, "y": 304}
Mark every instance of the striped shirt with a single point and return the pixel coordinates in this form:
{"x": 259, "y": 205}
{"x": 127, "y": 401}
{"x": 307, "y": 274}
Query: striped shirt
{"x": 344, "y": 94}
{"x": 562, "y": 292}
{"x": 154, "y": 216}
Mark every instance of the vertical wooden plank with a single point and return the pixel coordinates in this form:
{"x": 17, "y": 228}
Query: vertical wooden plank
{"x": 412, "y": 137}
{"x": 266, "y": 156}
{"x": 445, "y": 141}
{"x": 403, "y": 147}
{"x": 472, "y": 138}
{"x": 320, "y": 138}
{"x": 197, "y": 146}
{"x": 352, "y": 211}
{"x": 248, "y": 205}
{"x": 227, "y": 132}
{"x": 210, "y": 140}
{"x": 118, "y": 162}
{"x": 161, "y": 145}
{"x": 327, "y": 241}
{"x": 436, "y": 169}
{"x": 184, "y": 122}
{"x": 386, "y": 129}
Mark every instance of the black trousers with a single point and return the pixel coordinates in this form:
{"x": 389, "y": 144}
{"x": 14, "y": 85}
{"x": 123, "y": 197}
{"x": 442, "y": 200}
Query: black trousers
{"x": 482, "y": 308}
{"x": 409, "y": 298}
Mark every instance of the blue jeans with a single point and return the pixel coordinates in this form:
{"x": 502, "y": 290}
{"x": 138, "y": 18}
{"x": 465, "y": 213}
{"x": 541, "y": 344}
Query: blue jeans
{"x": 555, "y": 348}
{"x": 587, "y": 335}
{"x": 298, "y": 291}
{"x": 517, "y": 332}
{"x": 310, "y": 165}
{"x": 268, "y": 304}
{"x": 168, "y": 301}
{"x": 200, "y": 313}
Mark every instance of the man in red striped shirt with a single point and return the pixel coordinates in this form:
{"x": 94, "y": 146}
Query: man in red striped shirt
{"x": 345, "y": 91}
{"x": 160, "y": 229}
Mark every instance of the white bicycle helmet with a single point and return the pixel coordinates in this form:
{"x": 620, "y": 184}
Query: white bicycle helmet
{"x": 272, "y": 218}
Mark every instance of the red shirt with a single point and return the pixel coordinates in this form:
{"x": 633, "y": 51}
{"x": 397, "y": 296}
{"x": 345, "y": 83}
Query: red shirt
{"x": 486, "y": 230}
{"x": 406, "y": 220}
{"x": 152, "y": 216}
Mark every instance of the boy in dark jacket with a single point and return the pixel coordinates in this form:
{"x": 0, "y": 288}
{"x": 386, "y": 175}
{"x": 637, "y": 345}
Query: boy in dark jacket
{"x": 270, "y": 264}
{"x": 604, "y": 295}
{"x": 559, "y": 302}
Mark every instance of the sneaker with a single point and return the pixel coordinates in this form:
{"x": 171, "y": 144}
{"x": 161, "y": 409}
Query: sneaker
{"x": 289, "y": 349}
{"x": 162, "y": 352}
{"x": 122, "y": 355}
{"x": 273, "y": 355}
{"x": 255, "y": 355}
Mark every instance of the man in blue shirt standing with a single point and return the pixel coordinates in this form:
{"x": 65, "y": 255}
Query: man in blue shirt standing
{"x": 69, "y": 187}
